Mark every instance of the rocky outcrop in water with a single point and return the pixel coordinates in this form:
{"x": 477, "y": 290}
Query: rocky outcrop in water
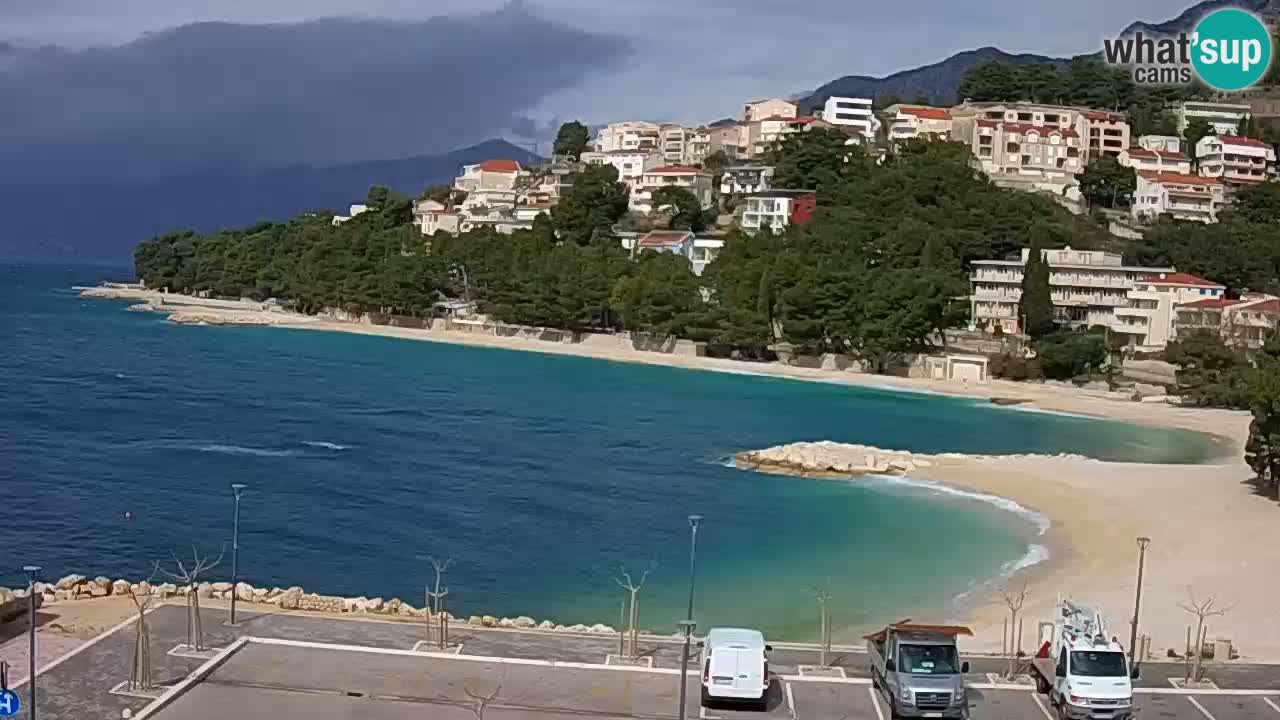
{"x": 828, "y": 458}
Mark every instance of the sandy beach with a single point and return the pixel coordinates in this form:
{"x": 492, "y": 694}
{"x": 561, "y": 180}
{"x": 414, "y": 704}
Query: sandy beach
{"x": 1097, "y": 509}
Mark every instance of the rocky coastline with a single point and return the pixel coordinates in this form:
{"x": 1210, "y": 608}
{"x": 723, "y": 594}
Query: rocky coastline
{"x": 830, "y": 459}
{"x": 75, "y": 587}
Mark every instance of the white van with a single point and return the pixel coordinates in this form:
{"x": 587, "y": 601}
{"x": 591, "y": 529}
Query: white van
{"x": 735, "y": 666}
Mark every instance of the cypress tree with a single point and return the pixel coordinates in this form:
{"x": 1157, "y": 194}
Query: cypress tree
{"x": 1036, "y": 303}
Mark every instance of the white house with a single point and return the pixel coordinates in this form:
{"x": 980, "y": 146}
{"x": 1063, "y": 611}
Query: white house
{"x": 1223, "y": 118}
{"x": 630, "y": 164}
{"x": 1236, "y": 161}
{"x": 353, "y": 211}
{"x": 1178, "y": 195}
{"x": 1140, "y": 158}
{"x": 1086, "y": 286}
{"x": 699, "y": 251}
{"x": 690, "y": 178}
{"x": 853, "y": 113}
{"x": 1170, "y": 143}
{"x": 774, "y": 107}
{"x": 776, "y": 209}
{"x": 431, "y": 216}
{"x": 745, "y": 179}
{"x": 911, "y": 121}
{"x": 628, "y": 135}
{"x": 1147, "y": 321}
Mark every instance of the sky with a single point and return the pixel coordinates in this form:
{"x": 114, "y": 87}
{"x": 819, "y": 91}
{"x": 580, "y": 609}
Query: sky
{"x": 133, "y": 86}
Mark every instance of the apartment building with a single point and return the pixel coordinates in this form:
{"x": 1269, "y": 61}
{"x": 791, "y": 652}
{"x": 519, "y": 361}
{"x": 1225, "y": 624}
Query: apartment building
{"x": 854, "y": 114}
{"x": 1156, "y": 161}
{"x": 1178, "y": 195}
{"x": 776, "y": 209}
{"x": 1246, "y": 322}
{"x": 1086, "y": 286}
{"x": 1223, "y": 118}
{"x": 699, "y": 251}
{"x": 690, "y": 178}
{"x": 757, "y": 110}
{"x": 1107, "y": 133}
{"x": 676, "y": 144}
{"x": 763, "y": 134}
{"x": 1163, "y": 143}
{"x": 912, "y": 121}
{"x": 729, "y": 139}
{"x": 1028, "y": 150}
{"x": 628, "y": 135}
{"x": 630, "y": 164}
{"x": 745, "y": 179}
{"x": 1147, "y": 322}
{"x": 1236, "y": 161}
{"x": 354, "y": 210}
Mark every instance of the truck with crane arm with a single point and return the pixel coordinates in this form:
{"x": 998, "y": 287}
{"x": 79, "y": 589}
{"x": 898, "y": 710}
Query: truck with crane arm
{"x": 1082, "y": 668}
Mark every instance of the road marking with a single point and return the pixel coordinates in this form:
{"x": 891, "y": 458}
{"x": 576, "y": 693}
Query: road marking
{"x": 791, "y": 700}
{"x": 77, "y": 650}
{"x": 1201, "y": 708}
{"x": 1040, "y": 704}
{"x": 1274, "y": 706}
{"x": 200, "y": 673}
{"x": 820, "y": 679}
{"x": 875, "y": 702}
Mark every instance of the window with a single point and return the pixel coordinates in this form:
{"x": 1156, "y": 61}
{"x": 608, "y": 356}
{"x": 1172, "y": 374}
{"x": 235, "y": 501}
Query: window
{"x": 1088, "y": 663}
{"x": 1203, "y": 291}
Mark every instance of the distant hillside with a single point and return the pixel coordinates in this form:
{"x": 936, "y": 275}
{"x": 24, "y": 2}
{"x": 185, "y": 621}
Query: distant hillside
{"x": 1185, "y": 21}
{"x": 93, "y": 221}
{"x": 938, "y": 81}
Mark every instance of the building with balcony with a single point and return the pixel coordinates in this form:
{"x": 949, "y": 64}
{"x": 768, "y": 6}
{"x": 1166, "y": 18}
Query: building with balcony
{"x": 1246, "y": 322}
{"x": 699, "y": 251}
{"x": 1223, "y": 118}
{"x": 763, "y": 134}
{"x": 1107, "y": 133}
{"x": 1147, "y": 322}
{"x": 854, "y": 114}
{"x": 1163, "y": 143}
{"x": 1086, "y": 286}
{"x": 432, "y": 216}
{"x": 731, "y": 139}
{"x": 1157, "y": 161}
{"x": 1040, "y": 152}
{"x": 1180, "y": 196}
{"x": 757, "y": 110}
{"x": 676, "y": 144}
{"x": 680, "y": 176}
{"x": 630, "y": 164}
{"x": 912, "y": 121}
{"x": 1236, "y": 161}
{"x": 628, "y": 135}
{"x": 745, "y": 179}
{"x": 776, "y": 209}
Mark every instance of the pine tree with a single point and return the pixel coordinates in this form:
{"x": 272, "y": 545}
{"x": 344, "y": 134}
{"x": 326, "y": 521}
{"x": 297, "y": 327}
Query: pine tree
{"x": 1036, "y": 304}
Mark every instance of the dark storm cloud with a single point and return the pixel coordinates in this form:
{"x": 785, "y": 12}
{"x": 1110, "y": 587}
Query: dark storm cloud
{"x": 316, "y": 92}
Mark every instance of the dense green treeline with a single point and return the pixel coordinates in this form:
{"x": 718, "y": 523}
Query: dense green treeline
{"x": 879, "y": 270}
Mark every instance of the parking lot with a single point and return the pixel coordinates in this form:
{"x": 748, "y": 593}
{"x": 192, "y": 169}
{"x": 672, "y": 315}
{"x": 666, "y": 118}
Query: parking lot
{"x": 280, "y": 664}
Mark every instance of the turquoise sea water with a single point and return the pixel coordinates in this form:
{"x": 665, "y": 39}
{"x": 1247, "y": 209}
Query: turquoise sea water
{"x": 538, "y": 474}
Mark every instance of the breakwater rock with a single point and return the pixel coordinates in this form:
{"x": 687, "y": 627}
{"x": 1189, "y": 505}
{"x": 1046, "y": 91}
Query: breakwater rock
{"x": 78, "y": 587}
{"x": 828, "y": 458}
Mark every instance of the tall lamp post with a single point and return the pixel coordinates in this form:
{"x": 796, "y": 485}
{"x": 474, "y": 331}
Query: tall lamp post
{"x": 32, "y": 571}
{"x": 688, "y": 623}
{"x": 237, "y": 488}
{"x": 1143, "y": 542}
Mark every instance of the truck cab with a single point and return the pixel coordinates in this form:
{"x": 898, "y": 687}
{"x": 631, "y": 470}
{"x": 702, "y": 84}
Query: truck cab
{"x": 735, "y": 666}
{"x": 1085, "y": 674}
{"x": 918, "y": 670}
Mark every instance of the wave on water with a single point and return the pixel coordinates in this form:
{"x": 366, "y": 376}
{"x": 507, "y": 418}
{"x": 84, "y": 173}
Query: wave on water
{"x": 1040, "y": 521}
{"x": 241, "y": 450}
{"x": 1042, "y": 411}
{"x": 325, "y": 445}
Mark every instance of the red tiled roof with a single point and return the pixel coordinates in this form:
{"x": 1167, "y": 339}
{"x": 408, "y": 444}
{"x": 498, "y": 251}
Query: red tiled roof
{"x": 1179, "y": 278}
{"x": 1266, "y": 306}
{"x": 1233, "y": 140}
{"x": 1177, "y": 178}
{"x": 926, "y": 113}
{"x": 674, "y": 170}
{"x": 801, "y": 120}
{"x": 1210, "y": 304}
{"x": 1141, "y": 152}
{"x": 503, "y": 166}
{"x": 1028, "y": 127}
{"x": 663, "y": 238}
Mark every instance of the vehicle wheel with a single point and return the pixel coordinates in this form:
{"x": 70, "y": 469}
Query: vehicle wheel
{"x": 706, "y": 699}
{"x": 893, "y": 709}
{"x": 1042, "y": 686}
{"x": 1062, "y": 709}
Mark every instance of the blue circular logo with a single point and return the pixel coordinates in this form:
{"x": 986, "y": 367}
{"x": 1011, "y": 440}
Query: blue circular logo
{"x": 1231, "y": 49}
{"x": 9, "y": 703}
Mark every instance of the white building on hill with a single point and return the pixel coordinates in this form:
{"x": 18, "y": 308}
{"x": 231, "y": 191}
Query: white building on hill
{"x": 1236, "y": 161}
{"x": 1178, "y": 195}
{"x": 853, "y": 113}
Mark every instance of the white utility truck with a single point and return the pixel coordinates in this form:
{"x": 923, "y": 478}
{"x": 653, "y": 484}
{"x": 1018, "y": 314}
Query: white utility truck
{"x": 1082, "y": 669}
{"x": 918, "y": 669}
{"x": 735, "y": 666}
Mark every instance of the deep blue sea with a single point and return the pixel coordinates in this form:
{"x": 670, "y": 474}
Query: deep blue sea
{"x": 539, "y": 475}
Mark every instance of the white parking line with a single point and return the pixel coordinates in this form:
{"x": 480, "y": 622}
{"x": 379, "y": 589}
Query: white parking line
{"x": 875, "y": 702}
{"x": 791, "y": 700}
{"x": 1201, "y": 708}
{"x": 1274, "y": 706}
{"x": 1040, "y": 704}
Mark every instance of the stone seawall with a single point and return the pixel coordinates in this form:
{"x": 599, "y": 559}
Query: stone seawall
{"x": 76, "y": 587}
{"x": 828, "y": 458}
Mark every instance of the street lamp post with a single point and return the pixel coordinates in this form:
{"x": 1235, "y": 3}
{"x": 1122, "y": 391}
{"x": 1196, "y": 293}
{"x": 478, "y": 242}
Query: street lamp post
{"x": 1143, "y": 542}
{"x": 688, "y": 623}
{"x": 237, "y": 488}
{"x": 31, "y": 571}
